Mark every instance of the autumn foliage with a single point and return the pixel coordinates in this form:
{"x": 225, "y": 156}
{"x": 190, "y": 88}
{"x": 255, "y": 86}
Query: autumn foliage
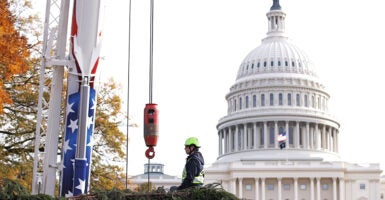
{"x": 14, "y": 52}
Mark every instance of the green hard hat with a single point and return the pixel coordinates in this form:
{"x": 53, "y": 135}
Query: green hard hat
{"x": 192, "y": 141}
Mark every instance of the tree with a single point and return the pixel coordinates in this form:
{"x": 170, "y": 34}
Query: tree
{"x": 14, "y": 51}
{"x": 107, "y": 152}
{"x": 17, "y": 94}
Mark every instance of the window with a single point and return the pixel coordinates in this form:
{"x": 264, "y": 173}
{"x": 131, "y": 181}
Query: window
{"x": 254, "y": 100}
{"x": 362, "y": 186}
{"x": 302, "y": 186}
{"x": 325, "y": 186}
{"x": 279, "y": 63}
{"x": 280, "y": 98}
{"x": 291, "y": 139}
{"x": 240, "y": 103}
{"x": 270, "y": 187}
{"x": 271, "y": 135}
{"x": 272, "y": 63}
{"x": 262, "y": 136}
{"x": 298, "y": 100}
{"x": 271, "y": 99}
{"x": 286, "y": 63}
{"x": 247, "y": 101}
{"x": 248, "y": 187}
{"x": 292, "y": 64}
{"x": 262, "y": 99}
{"x": 264, "y": 64}
{"x": 258, "y": 65}
{"x": 280, "y": 129}
{"x": 289, "y": 99}
{"x": 252, "y": 66}
{"x": 286, "y": 186}
{"x": 306, "y": 101}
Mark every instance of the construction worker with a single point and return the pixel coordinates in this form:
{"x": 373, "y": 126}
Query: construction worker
{"x": 193, "y": 173}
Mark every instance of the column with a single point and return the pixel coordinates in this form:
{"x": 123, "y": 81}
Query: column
{"x": 311, "y": 138}
{"x": 220, "y": 133}
{"x": 318, "y": 188}
{"x": 236, "y": 138}
{"x": 256, "y": 188}
{"x": 265, "y": 134}
{"x": 296, "y": 136}
{"x": 337, "y": 133}
{"x": 240, "y": 188}
{"x": 342, "y": 189}
{"x": 256, "y": 138}
{"x": 244, "y": 137}
{"x": 287, "y": 134}
{"x": 311, "y": 188}
{"x": 231, "y": 140}
{"x": 323, "y": 137}
{"x": 295, "y": 188}
{"x": 327, "y": 139}
{"x": 263, "y": 189}
{"x": 317, "y": 137}
{"x": 226, "y": 140}
{"x": 335, "y": 141}
{"x": 275, "y": 134}
{"x": 306, "y": 138}
{"x": 334, "y": 188}
{"x": 250, "y": 133}
{"x": 279, "y": 188}
{"x": 233, "y": 185}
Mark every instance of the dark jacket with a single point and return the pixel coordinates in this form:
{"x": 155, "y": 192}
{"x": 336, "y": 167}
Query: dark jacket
{"x": 194, "y": 166}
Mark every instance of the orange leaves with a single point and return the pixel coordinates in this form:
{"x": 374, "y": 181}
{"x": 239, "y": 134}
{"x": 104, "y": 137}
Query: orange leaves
{"x": 14, "y": 52}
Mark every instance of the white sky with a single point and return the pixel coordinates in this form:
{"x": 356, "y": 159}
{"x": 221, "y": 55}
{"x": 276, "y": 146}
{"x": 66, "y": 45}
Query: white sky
{"x": 199, "y": 45}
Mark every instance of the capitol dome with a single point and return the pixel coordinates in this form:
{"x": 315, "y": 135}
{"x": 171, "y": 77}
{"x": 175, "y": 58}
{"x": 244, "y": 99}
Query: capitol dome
{"x": 276, "y": 54}
{"x": 277, "y": 91}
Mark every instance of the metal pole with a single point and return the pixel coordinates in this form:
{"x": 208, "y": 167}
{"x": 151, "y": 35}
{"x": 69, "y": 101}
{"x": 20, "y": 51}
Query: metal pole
{"x": 80, "y": 158}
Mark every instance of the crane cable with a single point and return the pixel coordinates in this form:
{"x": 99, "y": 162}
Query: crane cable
{"x": 151, "y": 49}
{"x": 128, "y": 86}
{"x": 150, "y": 82}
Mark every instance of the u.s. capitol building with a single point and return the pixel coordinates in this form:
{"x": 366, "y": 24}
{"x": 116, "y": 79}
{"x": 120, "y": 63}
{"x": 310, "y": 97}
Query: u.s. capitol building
{"x": 277, "y": 91}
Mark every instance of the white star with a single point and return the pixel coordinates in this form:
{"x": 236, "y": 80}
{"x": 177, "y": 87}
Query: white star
{"x": 66, "y": 146}
{"x": 69, "y": 108}
{"x": 91, "y": 143}
{"x": 93, "y": 104}
{"x": 81, "y": 186}
{"x": 69, "y": 194}
{"x": 73, "y": 125}
{"x": 90, "y": 121}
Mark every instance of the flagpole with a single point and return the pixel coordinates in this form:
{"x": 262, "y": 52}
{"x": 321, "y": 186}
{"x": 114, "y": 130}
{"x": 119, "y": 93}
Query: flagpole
{"x": 80, "y": 175}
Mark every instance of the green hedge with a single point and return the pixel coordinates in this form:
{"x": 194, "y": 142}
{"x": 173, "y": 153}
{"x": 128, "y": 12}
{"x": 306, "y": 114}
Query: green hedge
{"x": 11, "y": 190}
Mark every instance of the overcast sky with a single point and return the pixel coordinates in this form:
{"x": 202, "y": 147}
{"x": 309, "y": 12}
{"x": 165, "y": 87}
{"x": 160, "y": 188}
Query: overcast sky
{"x": 199, "y": 45}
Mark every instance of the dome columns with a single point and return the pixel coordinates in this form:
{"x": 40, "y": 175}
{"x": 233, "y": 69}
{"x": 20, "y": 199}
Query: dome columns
{"x": 262, "y": 135}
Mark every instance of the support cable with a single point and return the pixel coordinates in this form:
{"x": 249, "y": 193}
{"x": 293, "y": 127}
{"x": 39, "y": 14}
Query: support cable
{"x": 128, "y": 87}
{"x": 151, "y": 72}
{"x": 151, "y": 49}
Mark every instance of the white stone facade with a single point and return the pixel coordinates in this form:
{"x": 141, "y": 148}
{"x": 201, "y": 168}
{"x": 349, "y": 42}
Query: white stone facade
{"x": 277, "y": 90}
